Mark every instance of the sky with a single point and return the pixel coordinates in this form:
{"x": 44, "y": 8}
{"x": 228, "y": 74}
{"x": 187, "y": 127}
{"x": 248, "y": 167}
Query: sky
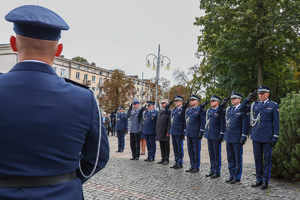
{"x": 119, "y": 34}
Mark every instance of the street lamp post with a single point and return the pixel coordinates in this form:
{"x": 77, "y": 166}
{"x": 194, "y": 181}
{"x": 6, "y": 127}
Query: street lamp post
{"x": 159, "y": 58}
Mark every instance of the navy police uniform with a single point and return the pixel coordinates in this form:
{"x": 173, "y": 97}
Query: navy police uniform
{"x": 135, "y": 136}
{"x": 236, "y": 132}
{"x": 265, "y": 130}
{"x": 177, "y": 130}
{"x": 148, "y": 129}
{"x": 194, "y": 129}
{"x": 121, "y": 128}
{"x": 214, "y": 129}
{"x": 46, "y": 129}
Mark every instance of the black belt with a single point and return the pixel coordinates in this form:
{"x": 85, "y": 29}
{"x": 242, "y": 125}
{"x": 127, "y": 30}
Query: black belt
{"x": 24, "y": 181}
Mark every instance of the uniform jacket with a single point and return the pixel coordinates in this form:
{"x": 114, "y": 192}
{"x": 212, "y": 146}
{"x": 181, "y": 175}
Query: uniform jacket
{"x": 121, "y": 121}
{"x": 268, "y": 126}
{"x": 237, "y": 125}
{"x": 45, "y": 123}
{"x": 113, "y": 119}
{"x": 177, "y": 119}
{"x": 163, "y": 124}
{"x": 215, "y": 123}
{"x": 195, "y": 121}
{"x": 149, "y": 122}
{"x": 135, "y": 120}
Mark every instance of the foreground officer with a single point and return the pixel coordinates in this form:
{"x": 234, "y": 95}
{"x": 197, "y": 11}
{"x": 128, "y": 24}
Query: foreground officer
{"x": 135, "y": 136}
{"x": 214, "y": 132}
{"x": 121, "y": 127}
{"x": 148, "y": 129}
{"x": 194, "y": 131}
{"x": 237, "y": 128}
{"x": 177, "y": 128}
{"x": 264, "y": 134}
{"x": 48, "y": 124}
{"x": 163, "y": 124}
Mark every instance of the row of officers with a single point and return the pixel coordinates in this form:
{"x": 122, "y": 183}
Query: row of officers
{"x": 233, "y": 124}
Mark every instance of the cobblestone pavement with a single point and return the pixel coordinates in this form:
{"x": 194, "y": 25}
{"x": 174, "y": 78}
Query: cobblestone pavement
{"x": 126, "y": 179}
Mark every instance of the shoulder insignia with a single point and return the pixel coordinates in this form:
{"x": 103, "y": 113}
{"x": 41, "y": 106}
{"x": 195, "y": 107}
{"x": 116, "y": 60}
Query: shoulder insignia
{"x": 76, "y": 83}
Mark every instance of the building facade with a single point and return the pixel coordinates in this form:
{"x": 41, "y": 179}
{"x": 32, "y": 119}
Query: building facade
{"x": 84, "y": 73}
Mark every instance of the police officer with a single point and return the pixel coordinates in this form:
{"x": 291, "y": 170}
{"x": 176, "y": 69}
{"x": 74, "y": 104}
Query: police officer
{"x": 113, "y": 122}
{"x": 264, "y": 119}
{"x": 237, "y": 128}
{"x": 177, "y": 128}
{"x": 121, "y": 127}
{"x": 194, "y": 131}
{"x": 48, "y": 124}
{"x": 135, "y": 136}
{"x": 148, "y": 129}
{"x": 214, "y": 133}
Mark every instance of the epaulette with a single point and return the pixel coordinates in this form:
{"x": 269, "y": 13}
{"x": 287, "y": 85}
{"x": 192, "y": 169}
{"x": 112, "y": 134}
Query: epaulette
{"x": 76, "y": 83}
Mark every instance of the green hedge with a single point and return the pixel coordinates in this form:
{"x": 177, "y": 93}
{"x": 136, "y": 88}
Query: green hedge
{"x": 286, "y": 153}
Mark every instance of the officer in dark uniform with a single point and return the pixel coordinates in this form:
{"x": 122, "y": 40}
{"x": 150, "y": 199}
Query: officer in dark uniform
{"x": 121, "y": 127}
{"x": 148, "y": 129}
{"x": 135, "y": 136}
{"x": 113, "y": 122}
{"x": 236, "y": 132}
{"x": 177, "y": 128}
{"x": 52, "y": 138}
{"x": 194, "y": 131}
{"x": 264, "y": 119}
{"x": 214, "y": 133}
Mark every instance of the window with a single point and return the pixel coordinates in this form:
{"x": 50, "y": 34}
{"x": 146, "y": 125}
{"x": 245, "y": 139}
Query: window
{"x": 93, "y": 88}
{"x": 77, "y": 75}
{"x": 85, "y": 77}
{"x": 85, "y": 68}
{"x": 100, "y": 90}
{"x": 100, "y": 72}
{"x": 100, "y": 80}
{"x": 93, "y": 79}
{"x": 78, "y": 66}
{"x": 62, "y": 72}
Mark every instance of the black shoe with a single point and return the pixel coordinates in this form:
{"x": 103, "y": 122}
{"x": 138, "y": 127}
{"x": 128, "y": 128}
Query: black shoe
{"x": 160, "y": 162}
{"x": 173, "y": 166}
{"x": 166, "y": 162}
{"x": 229, "y": 180}
{"x": 234, "y": 181}
{"x": 136, "y": 158}
{"x": 147, "y": 160}
{"x": 264, "y": 186}
{"x": 178, "y": 167}
{"x": 121, "y": 151}
{"x": 133, "y": 158}
{"x": 189, "y": 170}
{"x": 256, "y": 184}
{"x": 142, "y": 153}
{"x": 118, "y": 151}
{"x": 195, "y": 171}
{"x": 215, "y": 176}
{"x": 210, "y": 174}
{"x": 151, "y": 160}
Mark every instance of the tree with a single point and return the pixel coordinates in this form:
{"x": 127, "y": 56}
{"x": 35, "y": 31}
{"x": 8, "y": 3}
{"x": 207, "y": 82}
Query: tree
{"x": 243, "y": 42}
{"x": 118, "y": 89}
{"x": 179, "y": 90}
{"x": 189, "y": 79}
{"x": 80, "y": 59}
{"x": 286, "y": 154}
{"x": 163, "y": 88}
